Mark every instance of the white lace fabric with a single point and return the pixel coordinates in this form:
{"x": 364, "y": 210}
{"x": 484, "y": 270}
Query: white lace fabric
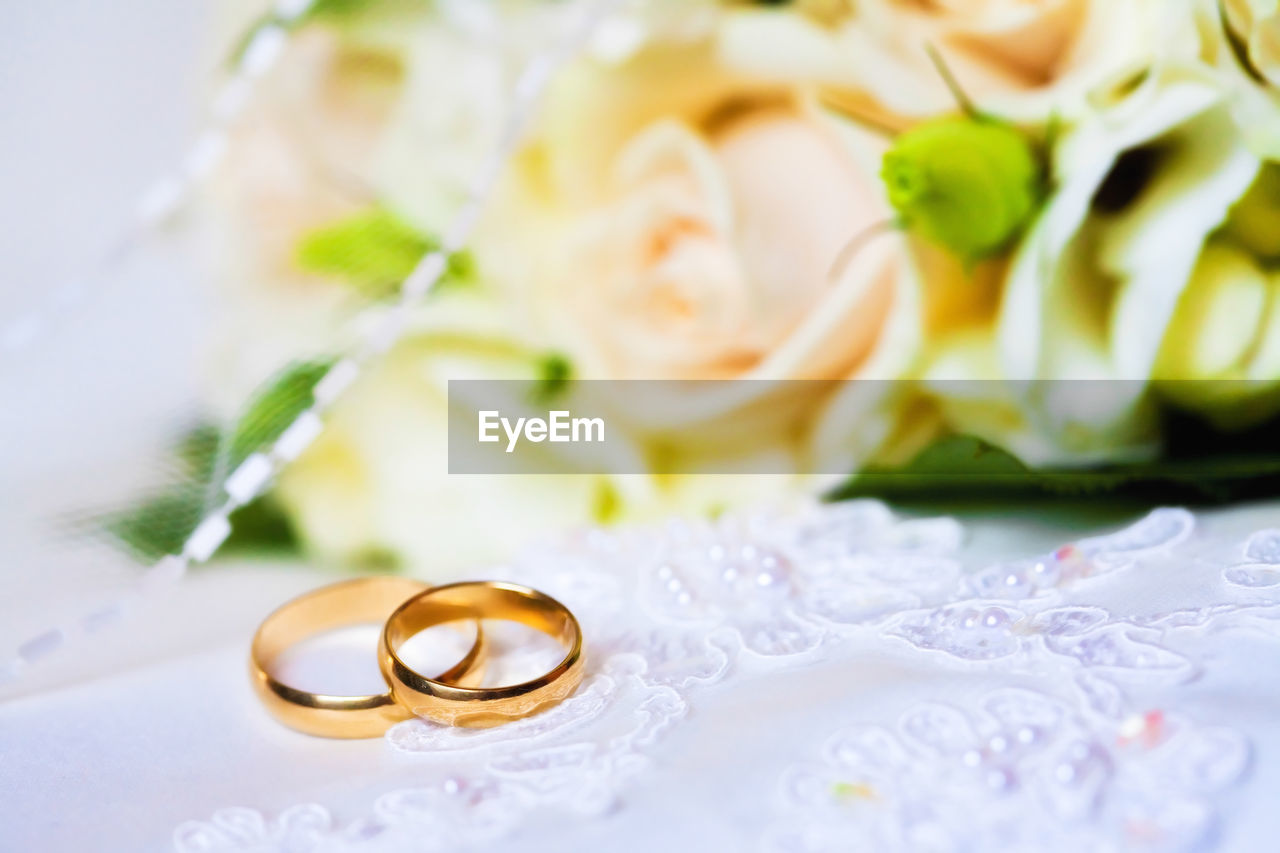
{"x": 837, "y": 679}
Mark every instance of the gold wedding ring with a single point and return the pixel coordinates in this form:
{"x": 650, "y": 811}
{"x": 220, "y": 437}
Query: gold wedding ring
{"x": 459, "y": 705}
{"x": 339, "y": 605}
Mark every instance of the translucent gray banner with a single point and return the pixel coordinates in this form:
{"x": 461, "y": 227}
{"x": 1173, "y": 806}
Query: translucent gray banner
{"x": 836, "y": 427}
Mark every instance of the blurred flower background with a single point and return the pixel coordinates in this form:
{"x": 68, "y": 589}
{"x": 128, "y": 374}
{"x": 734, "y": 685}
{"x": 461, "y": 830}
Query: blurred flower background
{"x": 949, "y": 198}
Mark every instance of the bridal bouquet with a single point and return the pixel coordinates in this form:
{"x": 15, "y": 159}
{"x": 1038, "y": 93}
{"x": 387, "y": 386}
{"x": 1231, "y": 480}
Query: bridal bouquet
{"x": 1037, "y": 244}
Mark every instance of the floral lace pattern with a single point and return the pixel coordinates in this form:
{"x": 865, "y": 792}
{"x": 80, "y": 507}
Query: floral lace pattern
{"x": 1022, "y": 771}
{"x": 667, "y": 614}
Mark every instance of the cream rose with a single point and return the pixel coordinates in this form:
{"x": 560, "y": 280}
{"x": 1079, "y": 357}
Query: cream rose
{"x": 711, "y": 257}
{"x": 668, "y": 217}
{"x": 1024, "y": 59}
{"x": 701, "y": 243}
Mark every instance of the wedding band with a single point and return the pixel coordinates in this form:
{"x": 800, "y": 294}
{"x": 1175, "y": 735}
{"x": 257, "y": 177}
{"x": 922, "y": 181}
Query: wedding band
{"x": 339, "y": 605}
{"x": 480, "y": 706}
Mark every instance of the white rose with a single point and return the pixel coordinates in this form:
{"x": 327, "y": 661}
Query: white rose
{"x": 325, "y": 138}
{"x": 1093, "y": 291}
{"x": 376, "y": 481}
{"x": 649, "y": 229}
{"x": 1023, "y": 59}
{"x": 1249, "y": 54}
{"x": 293, "y": 164}
{"x": 1221, "y": 355}
{"x": 688, "y": 232}
{"x": 1256, "y": 24}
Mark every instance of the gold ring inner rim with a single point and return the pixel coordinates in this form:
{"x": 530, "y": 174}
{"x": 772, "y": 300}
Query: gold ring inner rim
{"x": 477, "y": 600}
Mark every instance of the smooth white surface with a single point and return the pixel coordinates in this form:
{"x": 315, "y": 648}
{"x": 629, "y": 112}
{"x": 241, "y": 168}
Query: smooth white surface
{"x": 118, "y": 762}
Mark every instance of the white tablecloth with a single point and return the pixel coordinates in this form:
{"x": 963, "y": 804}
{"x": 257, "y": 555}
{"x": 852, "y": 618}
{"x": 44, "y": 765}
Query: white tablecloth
{"x": 726, "y": 711}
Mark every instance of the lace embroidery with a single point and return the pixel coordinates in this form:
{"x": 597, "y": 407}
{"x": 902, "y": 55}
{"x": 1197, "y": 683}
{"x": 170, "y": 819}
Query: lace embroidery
{"x": 1021, "y": 771}
{"x": 668, "y": 613}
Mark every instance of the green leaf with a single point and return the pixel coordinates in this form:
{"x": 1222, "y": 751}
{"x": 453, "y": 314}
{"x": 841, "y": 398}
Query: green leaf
{"x": 161, "y": 523}
{"x": 606, "y": 503}
{"x": 962, "y": 470}
{"x": 197, "y": 452}
{"x": 554, "y": 373}
{"x": 376, "y": 559}
{"x": 345, "y": 10}
{"x": 262, "y": 526}
{"x": 336, "y": 13}
{"x": 374, "y": 251}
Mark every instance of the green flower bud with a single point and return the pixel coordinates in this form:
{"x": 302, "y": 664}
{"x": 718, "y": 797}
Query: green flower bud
{"x": 970, "y": 185}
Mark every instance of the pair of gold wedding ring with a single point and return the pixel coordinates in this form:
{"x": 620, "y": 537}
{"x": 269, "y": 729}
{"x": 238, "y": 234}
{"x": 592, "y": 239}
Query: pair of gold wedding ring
{"x": 408, "y": 607}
